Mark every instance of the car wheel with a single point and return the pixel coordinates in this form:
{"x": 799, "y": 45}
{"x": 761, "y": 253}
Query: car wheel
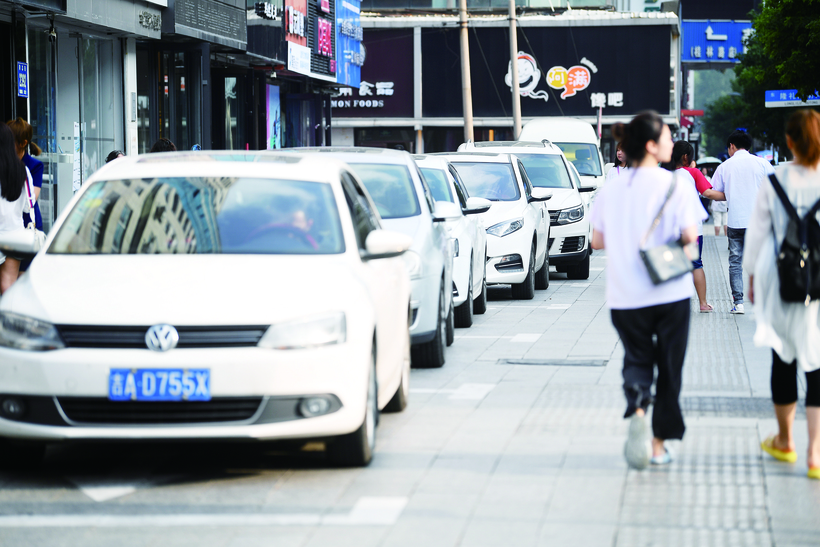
{"x": 431, "y": 354}
{"x": 451, "y": 325}
{"x": 542, "y": 277}
{"x": 480, "y": 304}
{"x": 526, "y": 290}
{"x": 21, "y": 455}
{"x": 356, "y": 449}
{"x": 402, "y": 395}
{"x": 464, "y": 313}
{"x": 580, "y": 271}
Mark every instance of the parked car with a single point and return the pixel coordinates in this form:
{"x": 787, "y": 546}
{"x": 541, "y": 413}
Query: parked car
{"x": 518, "y": 226}
{"x": 406, "y": 205}
{"x": 547, "y": 167}
{"x": 467, "y": 233}
{"x": 210, "y": 296}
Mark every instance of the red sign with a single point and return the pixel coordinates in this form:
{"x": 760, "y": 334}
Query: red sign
{"x": 325, "y": 5}
{"x": 324, "y": 32}
{"x": 295, "y": 21}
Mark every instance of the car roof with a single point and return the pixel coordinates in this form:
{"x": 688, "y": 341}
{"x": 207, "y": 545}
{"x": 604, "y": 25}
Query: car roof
{"x": 524, "y": 147}
{"x": 223, "y": 163}
{"x": 428, "y": 161}
{"x": 357, "y": 154}
{"x": 560, "y": 129}
{"x": 478, "y": 157}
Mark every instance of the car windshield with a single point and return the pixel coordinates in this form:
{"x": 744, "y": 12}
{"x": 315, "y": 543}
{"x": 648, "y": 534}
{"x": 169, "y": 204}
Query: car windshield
{"x": 437, "y": 181}
{"x": 493, "y": 181}
{"x": 391, "y": 188}
{"x": 546, "y": 171}
{"x": 583, "y": 156}
{"x": 203, "y": 215}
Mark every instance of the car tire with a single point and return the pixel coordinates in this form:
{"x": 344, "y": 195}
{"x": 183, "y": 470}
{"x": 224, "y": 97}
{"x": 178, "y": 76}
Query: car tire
{"x": 480, "y": 303}
{"x": 399, "y": 400}
{"x": 16, "y": 455}
{"x": 451, "y": 325}
{"x": 431, "y": 354}
{"x": 464, "y": 312}
{"x": 542, "y": 276}
{"x": 356, "y": 449}
{"x": 526, "y": 290}
{"x": 579, "y": 271}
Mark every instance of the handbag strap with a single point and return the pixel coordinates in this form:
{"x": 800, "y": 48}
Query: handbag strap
{"x": 658, "y": 217}
{"x": 30, "y": 200}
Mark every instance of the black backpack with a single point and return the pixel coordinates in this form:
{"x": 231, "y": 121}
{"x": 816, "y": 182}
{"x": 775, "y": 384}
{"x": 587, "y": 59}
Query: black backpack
{"x": 798, "y": 262}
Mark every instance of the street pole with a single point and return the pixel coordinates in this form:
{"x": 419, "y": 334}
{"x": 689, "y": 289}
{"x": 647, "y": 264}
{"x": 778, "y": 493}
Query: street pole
{"x": 466, "y": 86}
{"x": 516, "y": 96}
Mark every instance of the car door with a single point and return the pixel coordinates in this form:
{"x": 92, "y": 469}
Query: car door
{"x": 382, "y": 276}
{"x": 440, "y": 239}
{"x": 541, "y": 218}
{"x": 478, "y": 233}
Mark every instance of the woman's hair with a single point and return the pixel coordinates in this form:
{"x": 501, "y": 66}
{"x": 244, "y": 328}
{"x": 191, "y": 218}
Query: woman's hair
{"x": 646, "y": 126}
{"x": 619, "y": 146}
{"x": 681, "y": 149}
{"x": 114, "y": 154}
{"x": 804, "y": 129}
{"x": 163, "y": 145}
{"x": 12, "y": 170}
{"x": 23, "y": 132}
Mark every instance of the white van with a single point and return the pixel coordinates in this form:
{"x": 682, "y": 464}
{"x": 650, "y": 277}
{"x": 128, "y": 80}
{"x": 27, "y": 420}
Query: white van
{"x": 577, "y": 139}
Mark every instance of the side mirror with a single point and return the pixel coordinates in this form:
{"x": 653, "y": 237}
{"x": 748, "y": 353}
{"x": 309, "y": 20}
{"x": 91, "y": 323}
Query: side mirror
{"x": 477, "y": 206}
{"x": 540, "y": 194}
{"x": 385, "y": 244}
{"x": 446, "y": 211}
{"x": 19, "y": 244}
{"x": 587, "y": 188}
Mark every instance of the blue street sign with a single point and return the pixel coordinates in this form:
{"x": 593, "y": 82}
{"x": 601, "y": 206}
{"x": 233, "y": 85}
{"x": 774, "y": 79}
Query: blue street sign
{"x": 782, "y": 98}
{"x": 22, "y": 80}
{"x": 714, "y": 41}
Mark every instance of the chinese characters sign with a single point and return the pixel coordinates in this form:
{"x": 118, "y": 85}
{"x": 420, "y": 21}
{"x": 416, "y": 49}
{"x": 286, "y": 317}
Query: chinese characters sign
{"x": 782, "y": 98}
{"x": 324, "y": 32}
{"x": 714, "y": 41}
{"x": 22, "y": 80}
{"x": 295, "y": 15}
{"x": 350, "y": 52}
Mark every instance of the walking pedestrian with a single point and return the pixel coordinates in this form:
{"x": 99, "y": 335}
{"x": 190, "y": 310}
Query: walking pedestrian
{"x": 620, "y": 166}
{"x": 114, "y": 154}
{"x": 791, "y": 329}
{"x": 739, "y": 177}
{"x": 13, "y": 201}
{"x": 23, "y": 133}
{"x": 621, "y": 216}
{"x": 163, "y": 145}
{"x": 720, "y": 216}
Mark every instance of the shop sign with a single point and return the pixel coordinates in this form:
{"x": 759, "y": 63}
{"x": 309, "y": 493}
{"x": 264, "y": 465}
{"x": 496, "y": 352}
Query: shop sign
{"x": 211, "y": 20}
{"x": 295, "y": 16}
{"x": 782, "y": 98}
{"x": 324, "y": 40}
{"x": 298, "y": 58}
{"x": 268, "y": 10}
{"x": 273, "y": 118}
{"x": 714, "y": 41}
{"x": 324, "y": 5}
{"x": 349, "y": 49}
{"x": 22, "y": 79}
{"x": 152, "y": 21}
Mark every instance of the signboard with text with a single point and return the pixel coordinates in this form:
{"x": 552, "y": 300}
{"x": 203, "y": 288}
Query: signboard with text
{"x": 714, "y": 41}
{"x": 784, "y": 98}
{"x": 22, "y": 79}
{"x": 350, "y": 54}
{"x": 296, "y": 21}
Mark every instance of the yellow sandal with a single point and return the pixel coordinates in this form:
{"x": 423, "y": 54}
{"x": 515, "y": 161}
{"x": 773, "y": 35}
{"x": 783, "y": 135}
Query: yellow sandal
{"x": 814, "y": 473}
{"x": 789, "y": 456}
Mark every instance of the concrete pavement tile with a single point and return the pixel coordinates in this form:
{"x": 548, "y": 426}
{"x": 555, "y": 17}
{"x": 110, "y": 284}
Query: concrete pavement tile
{"x": 577, "y": 375}
{"x": 488, "y": 532}
{"x": 584, "y": 496}
{"x": 428, "y": 530}
{"x": 343, "y": 536}
{"x": 589, "y": 534}
{"x": 449, "y": 505}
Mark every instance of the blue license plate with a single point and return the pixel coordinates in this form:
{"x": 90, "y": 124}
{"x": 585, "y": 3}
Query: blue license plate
{"x": 159, "y": 384}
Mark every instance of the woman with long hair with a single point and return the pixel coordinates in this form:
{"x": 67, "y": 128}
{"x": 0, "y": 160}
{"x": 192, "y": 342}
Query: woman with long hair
{"x": 623, "y": 212}
{"x": 13, "y": 200}
{"x": 791, "y": 329}
{"x": 620, "y": 166}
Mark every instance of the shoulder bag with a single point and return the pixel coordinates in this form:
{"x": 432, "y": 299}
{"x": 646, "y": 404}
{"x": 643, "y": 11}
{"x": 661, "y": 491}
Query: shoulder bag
{"x": 29, "y": 237}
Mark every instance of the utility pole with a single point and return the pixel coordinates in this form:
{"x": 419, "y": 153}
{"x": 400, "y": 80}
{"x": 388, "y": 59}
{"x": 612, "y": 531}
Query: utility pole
{"x": 516, "y": 96}
{"x": 466, "y": 86}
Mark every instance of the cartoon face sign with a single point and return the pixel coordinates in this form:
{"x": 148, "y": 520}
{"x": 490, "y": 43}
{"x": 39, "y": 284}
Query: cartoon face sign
{"x": 528, "y": 74}
{"x": 571, "y": 81}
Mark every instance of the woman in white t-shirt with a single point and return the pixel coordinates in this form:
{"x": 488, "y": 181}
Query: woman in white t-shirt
{"x": 622, "y": 214}
{"x": 13, "y": 201}
{"x": 620, "y": 166}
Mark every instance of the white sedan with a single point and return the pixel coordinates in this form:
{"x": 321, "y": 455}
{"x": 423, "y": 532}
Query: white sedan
{"x": 517, "y": 224}
{"x": 210, "y": 296}
{"x": 468, "y": 235}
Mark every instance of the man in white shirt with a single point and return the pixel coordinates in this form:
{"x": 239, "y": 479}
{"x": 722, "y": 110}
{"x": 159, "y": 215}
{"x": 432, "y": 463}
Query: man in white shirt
{"x": 739, "y": 178}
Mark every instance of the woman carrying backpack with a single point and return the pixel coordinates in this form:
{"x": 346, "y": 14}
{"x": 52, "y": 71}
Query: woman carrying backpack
{"x": 789, "y": 327}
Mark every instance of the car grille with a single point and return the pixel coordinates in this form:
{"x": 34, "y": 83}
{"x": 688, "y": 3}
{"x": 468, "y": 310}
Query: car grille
{"x": 554, "y": 218}
{"x": 86, "y": 336}
{"x": 99, "y": 410}
{"x": 572, "y": 244}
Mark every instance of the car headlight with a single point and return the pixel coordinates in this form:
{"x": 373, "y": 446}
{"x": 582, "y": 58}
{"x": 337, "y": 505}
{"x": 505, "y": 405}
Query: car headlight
{"x": 321, "y": 330}
{"x": 26, "y": 333}
{"x": 455, "y": 247}
{"x": 412, "y": 262}
{"x": 506, "y": 228}
{"x": 568, "y": 216}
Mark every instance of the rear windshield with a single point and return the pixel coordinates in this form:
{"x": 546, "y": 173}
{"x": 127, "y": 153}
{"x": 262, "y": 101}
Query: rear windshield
{"x": 493, "y": 181}
{"x": 437, "y": 181}
{"x": 391, "y": 188}
{"x": 192, "y": 215}
{"x": 583, "y": 156}
{"x": 546, "y": 171}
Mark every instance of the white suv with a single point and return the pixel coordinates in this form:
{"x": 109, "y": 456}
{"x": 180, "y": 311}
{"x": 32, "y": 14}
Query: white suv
{"x": 547, "y": 167}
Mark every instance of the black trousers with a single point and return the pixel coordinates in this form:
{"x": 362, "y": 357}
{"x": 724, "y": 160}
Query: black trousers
{"x": 669, "y": 324}
{"x": 784, "y": 383}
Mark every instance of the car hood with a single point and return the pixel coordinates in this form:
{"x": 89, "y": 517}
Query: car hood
{"x": 408, "y": 226}
{"x": 182, "y": 290}
{"x": 562, "y": 198}
{"x": 503, "y": 210}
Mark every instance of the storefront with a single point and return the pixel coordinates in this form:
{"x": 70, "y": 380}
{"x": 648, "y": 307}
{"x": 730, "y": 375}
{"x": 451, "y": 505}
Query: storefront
{"x": 568, "y": 65}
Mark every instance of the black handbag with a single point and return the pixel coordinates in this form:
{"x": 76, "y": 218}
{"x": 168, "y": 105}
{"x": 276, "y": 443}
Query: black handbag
{"x": 798, "y": 261}
{"x": 668, "y": 261}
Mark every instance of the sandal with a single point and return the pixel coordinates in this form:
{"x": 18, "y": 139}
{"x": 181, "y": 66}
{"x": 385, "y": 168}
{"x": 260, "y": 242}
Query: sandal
{"x": 706, "y": 309}
{"x": 663, "y": 459}
{"x": 788, "y": 456}
{"x": 814, "y": 473}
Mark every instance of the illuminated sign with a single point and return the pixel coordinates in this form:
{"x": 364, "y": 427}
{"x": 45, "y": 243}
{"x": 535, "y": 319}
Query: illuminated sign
{"x": 324, "y": 40}
{"x": 295, "y": 16}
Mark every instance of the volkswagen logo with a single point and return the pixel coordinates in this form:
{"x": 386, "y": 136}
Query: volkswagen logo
{"x": 161, "y": 338}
